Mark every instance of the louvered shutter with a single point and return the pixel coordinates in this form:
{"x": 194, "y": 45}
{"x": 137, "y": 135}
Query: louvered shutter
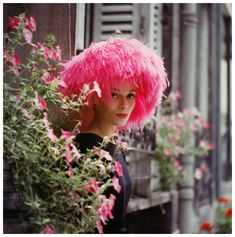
{"x": 156, "y": 27}
{"x": 109, "y": 17}
{"x": 140, "y": 21}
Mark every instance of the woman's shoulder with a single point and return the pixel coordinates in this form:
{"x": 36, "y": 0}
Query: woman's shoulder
{"x": 86, "y": 141}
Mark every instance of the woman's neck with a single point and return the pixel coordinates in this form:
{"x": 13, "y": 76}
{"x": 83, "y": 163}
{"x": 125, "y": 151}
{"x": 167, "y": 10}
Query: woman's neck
{"x": 100, "y": 128}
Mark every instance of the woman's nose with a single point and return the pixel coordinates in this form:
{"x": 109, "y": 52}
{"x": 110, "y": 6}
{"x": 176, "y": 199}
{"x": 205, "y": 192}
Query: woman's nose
{"x": 123, "y": 103}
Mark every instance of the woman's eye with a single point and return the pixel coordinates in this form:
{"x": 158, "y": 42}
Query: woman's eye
{"x": 131, "y": 96}
{"x": 114, "y": 95}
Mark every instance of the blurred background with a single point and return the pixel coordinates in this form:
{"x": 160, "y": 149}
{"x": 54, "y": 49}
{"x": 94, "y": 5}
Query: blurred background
{"x": 195, "y": 42}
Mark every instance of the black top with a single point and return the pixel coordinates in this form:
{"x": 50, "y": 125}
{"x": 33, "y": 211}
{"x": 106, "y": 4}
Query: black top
{"x": 116, "y": 225}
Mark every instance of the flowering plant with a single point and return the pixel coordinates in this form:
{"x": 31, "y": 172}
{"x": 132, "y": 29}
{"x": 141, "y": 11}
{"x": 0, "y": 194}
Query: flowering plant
{"x": 175, "y": 130}
{"x": 60, "y": 190}
{"x": 223, "y": 219}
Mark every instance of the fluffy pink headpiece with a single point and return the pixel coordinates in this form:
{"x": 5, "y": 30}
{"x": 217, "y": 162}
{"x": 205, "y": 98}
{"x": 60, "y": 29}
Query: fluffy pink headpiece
{"x": 115, "y": 61}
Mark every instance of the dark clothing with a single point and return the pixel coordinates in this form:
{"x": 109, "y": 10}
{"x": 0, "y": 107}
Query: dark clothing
{"x": 116, "y": 225}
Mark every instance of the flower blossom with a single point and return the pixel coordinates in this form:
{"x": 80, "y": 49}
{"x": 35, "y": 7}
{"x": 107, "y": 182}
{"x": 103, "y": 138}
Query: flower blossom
{"x": 206, "y": 226}
{"x": 117, "y": 31}
{"x": 91, "y": 186}
{"x": 224, "y": 200}
{"x": 71, "y": 173}
{"x": 205, "y": 144}
{"x": 117, "y": 186}
{"x": 13, "y": 59}
{"x": 168, "y": 152}
{"x": 118, "y": 168}
{"x": 50, "y": 53}
{"x": 176, "y": 163}
{"x": 66, "y": 135}
{"x": 13, "y": 23}
{"x": 105, "y": 209}
{"x": 26, "y": 113}
{"x": 50, "y": 132}
{"x": 48, "y": 230}
{"x": 99, "y": 226}
{"x": 178, "y": 95}
{"x": 97, "y": 88}
{"x": 31, "y": 23}
{"x": 48, "y": 77}
{"x": 28, "y": 36}
{"x": 75, "y": 151}
{"x": 68, "y": 156}
{"x": 102, "y": 153}
{"x": 228, "y": 213}
{"x": 40, "y": 102}
{"x": 198, "y": 173}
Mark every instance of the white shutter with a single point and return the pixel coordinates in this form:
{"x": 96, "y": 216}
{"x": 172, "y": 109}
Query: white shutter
{"x": 156, "y": 27}
{"x": 109, "y": 17}
{"x": 140, "y": 21}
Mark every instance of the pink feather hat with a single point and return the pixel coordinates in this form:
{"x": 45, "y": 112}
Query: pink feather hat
{"x": 115, "y": 61}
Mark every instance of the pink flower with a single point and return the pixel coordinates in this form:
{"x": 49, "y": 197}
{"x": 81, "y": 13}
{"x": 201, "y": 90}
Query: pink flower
{"x": 26, "y": 113}
{"x": 97, "y": 88}
{"x": 50, "y": 53}
{"x": 48, "y": 77}
{"x": 193, "y": 127}
{"x": 102, "y": 153}
{"x": 75, "y": 151}
{"x": 186, "y": 112}
{"x": 51, "y": 135}
{"x": 71, "y": 173}
{"x": 48, "y": 230}
{"x": 99, "y": 226}
{"x": 56, "y": 53}
{"x": 68, "y": 156}
{"x": 198, "y": 173}
{"x": 13, "y": 23}
{"x": 178, "y": 95}
{"x": 42, "y": 102}
{"x": 176, "y": 163}
{"x": 117, "y": 187}
{"x": 118, "y": 168}
{"x": 31, "y": 23}
{"x": 47, "y": 53}
{"x": 92, "y": 186}
{"x": 66, "y": 135}
{"x": 105, "y": 209}
{"x": 27, "y": 35}
{"x": 13, "y": 59}
{"x": 205, "y": 144}
{"x": 50, "y": 132}
{"x": 205, "y": 124}
{"x": 45, "y": 120}
{"x": 164, "y": 119}
{"x": 117, "y": 31}
{"x": 168, "y": 152}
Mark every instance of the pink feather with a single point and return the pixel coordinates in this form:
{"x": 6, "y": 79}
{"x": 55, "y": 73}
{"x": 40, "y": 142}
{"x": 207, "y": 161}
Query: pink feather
{"x": 116, "y": 60}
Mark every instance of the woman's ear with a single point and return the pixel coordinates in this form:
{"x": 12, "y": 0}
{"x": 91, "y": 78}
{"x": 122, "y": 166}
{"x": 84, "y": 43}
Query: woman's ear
{"x": 87, "y": 115}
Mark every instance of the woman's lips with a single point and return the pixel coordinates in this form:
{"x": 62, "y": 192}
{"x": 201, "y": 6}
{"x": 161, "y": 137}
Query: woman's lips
{"x": 122, "y": 116}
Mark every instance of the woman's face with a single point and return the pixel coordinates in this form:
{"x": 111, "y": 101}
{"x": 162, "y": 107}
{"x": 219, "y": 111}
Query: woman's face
{"x": 117, "y": 110}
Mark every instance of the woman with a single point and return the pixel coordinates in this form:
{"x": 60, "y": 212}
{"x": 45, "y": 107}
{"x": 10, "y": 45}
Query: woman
{"x": 131, "y": 79}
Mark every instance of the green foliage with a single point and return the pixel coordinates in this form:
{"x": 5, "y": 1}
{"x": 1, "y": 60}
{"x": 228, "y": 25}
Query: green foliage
{"x": 49, "y": 171}
{"x": 176, "y": 134}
